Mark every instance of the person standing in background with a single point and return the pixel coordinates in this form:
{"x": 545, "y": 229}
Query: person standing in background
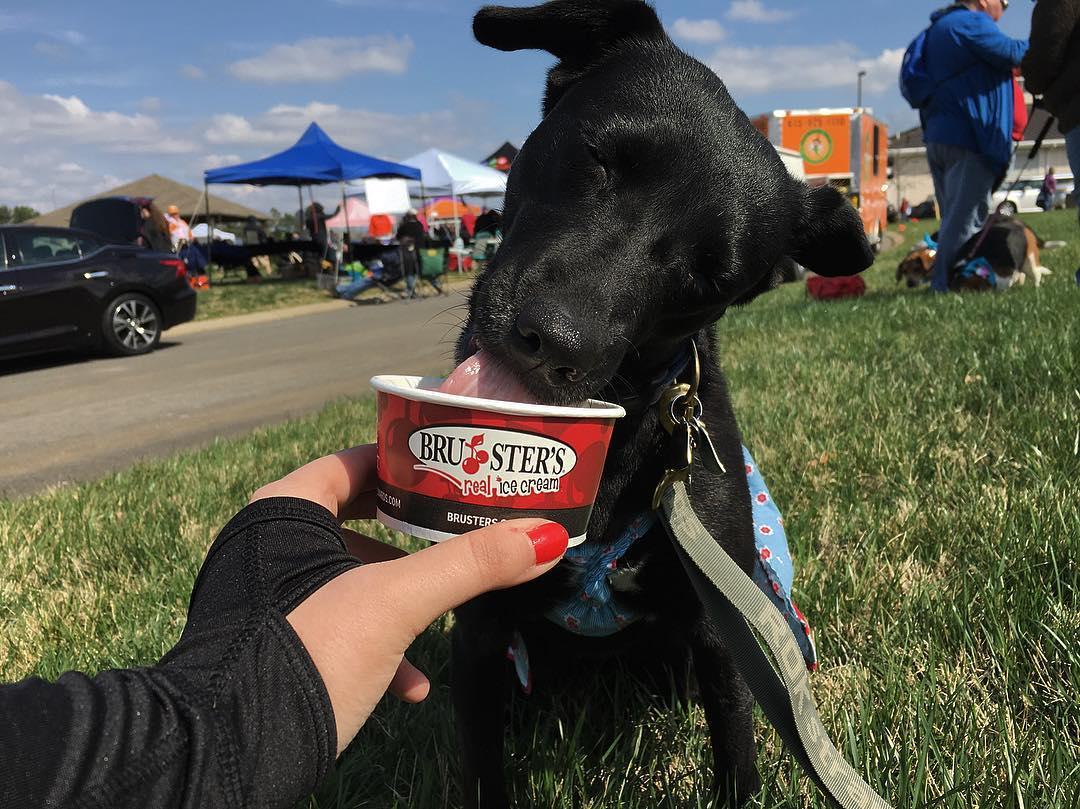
{"x": 1049, "y": 188}
{"x": 179, "y": 231}
{"x": 154, "y": 228}
{"x": 968, "y": 122}
{"x": 1052, "y": 69}
{"x": 411, "y": 237}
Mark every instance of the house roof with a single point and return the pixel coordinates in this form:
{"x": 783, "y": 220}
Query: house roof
{"x": 1036, "y": 120}
{"x": 164, "y": 191}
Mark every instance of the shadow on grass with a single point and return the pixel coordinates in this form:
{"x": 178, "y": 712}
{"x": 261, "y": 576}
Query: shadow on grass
{"x": 567, "y": 745}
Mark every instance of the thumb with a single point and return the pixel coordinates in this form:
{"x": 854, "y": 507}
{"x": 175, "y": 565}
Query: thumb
{"x": 426, "y": 584}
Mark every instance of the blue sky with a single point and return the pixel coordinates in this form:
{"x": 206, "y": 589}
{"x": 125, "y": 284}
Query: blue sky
{"x": 94, "y": 94}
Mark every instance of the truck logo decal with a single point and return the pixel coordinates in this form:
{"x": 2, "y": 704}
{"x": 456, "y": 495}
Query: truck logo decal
{"x": 816, "y": 146}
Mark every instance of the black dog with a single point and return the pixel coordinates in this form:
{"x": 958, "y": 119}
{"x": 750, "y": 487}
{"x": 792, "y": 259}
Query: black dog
{"x": 641, "y": 208}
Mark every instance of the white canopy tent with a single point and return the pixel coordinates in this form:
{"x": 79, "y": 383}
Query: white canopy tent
{"x": 442, "y": 171}
{"x": 459, "y": 175}
{"x": 200, "y": 230}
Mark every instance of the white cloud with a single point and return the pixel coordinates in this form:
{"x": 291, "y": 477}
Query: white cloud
{"x": 70, "y": 37}
{"x": 44, "y": 181}
{"x": 34, "y": 119}
{"x": 698, "y": 30}
{"x": 25, "y": 118}
{"x": 230, "y": 128}
{"x": 755, "y": 11}
{"x": 804, "y": 67}
{"x": 379, "y": 133}
{"x": 216, "y": 161}
{"x": 158, "y": 146}
{"x": 192, "y": 72}
{"x": 322, "y": 59}
{"x": 149, "y": 104}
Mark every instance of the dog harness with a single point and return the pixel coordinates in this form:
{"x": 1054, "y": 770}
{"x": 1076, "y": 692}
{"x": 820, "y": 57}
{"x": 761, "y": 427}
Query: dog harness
{"x": 596, "y": 611}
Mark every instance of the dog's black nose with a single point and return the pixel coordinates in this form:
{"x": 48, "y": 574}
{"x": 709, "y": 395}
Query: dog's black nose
{"x": 549, "y": 337}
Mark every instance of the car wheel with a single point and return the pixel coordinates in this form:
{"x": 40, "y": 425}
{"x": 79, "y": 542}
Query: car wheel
{"x": 1007, "y": 208}
{"x": 131, "y": 325}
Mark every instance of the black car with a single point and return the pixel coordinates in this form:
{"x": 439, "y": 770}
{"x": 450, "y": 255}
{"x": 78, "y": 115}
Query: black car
{"x": 62, "y": 288}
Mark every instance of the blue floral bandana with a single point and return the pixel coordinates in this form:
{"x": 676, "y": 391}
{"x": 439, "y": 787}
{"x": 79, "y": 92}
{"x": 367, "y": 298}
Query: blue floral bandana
{"x": 597, "y": 612}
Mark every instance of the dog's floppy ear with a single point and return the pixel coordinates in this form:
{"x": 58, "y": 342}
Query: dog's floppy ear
{"x": 829, "y": 238}
{"x": 578, "y": 32}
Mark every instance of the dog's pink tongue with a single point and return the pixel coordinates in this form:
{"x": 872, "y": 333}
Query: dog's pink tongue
{"x": 483, "y": 377}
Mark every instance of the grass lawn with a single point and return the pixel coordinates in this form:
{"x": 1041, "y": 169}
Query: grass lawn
{"x": 926, "y": 454}
{"x": 237, "y": 297}
{"x": 241, "y": 298}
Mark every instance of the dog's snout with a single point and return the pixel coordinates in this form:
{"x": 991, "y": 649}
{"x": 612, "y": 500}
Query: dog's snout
{"x": 548, "y": 336}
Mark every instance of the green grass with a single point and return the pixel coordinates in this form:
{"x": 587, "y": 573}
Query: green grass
{"x": 223, "y": 299}
{"x": 237, "y": 297}
{"x": 926, "y": 454}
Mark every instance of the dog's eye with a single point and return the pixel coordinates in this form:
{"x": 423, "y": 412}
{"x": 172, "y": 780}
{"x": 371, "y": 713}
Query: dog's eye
{"x": 594, "y": 153}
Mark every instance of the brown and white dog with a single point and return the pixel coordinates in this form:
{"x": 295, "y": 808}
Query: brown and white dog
{"x": 1011, "y": 248}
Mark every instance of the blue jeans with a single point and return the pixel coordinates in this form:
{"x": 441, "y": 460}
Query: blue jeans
{"x": 351, "y": 290}
{"x": 1072, "y": 148}
{"x": 963, "y": 180}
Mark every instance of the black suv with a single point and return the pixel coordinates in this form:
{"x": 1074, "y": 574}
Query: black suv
{"x": 63, "y": 288}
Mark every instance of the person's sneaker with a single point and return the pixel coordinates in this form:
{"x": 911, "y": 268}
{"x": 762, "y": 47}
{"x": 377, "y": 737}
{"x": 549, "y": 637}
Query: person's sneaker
{"x": 1078, "y": 277}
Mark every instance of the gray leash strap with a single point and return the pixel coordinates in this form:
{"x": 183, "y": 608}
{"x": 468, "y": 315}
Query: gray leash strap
{"x": 735, "y": 603}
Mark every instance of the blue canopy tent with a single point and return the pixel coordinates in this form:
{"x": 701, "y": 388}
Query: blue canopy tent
{"x": 315, "y": 159}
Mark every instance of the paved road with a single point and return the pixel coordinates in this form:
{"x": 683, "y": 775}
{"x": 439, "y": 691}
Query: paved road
{"x": 73, "y": 419}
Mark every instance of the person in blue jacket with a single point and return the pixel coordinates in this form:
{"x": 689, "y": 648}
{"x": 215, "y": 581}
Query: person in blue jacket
{"x": 967, "y": 125}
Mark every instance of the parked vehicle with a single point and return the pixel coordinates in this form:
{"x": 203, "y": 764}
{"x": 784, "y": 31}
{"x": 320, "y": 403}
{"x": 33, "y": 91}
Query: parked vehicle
{"x": 1065, "y": 196}
{"x": 846, "y": 147}
{"x": 62, "y": 288}
{"x": 927, "y": 209}
{"x": 1023, "y": 196}
{"x": 115, "y": 219}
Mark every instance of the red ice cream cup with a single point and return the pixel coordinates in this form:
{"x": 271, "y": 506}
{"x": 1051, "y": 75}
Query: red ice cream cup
{"x": 449, "y": 464}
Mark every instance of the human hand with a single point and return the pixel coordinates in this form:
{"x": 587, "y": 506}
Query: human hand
{"x": 357, "y": 626}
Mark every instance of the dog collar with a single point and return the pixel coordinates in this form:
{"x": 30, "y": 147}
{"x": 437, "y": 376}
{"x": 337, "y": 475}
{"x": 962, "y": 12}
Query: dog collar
{"x": 661, "y": 381}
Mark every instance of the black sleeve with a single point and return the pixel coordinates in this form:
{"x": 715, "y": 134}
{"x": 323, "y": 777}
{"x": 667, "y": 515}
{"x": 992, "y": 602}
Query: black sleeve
{"x": 235, "y": 715}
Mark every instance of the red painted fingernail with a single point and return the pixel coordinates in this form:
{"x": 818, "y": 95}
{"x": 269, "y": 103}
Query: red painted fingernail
{"x": 549, "y": 541}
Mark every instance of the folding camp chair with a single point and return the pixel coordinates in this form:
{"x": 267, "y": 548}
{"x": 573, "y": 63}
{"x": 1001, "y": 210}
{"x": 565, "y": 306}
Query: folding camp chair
{"x": 433, "y": 263}
{"x": 483, "y": 248}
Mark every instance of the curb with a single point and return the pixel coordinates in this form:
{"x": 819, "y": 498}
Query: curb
{"x": 268, "y": 316}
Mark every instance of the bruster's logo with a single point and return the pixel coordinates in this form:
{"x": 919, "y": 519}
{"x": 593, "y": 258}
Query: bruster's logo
{"x": 486, "y": 462}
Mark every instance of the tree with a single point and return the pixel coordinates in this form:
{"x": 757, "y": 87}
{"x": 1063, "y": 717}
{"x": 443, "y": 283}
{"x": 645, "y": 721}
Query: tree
{"x": 283, "y": 222}
{"x": 5, "y": 214}
{"x": 22, "y": 213}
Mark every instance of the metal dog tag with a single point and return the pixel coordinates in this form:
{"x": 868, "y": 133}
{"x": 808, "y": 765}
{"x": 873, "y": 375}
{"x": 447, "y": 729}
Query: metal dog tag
{"x": 703, "y": 442}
